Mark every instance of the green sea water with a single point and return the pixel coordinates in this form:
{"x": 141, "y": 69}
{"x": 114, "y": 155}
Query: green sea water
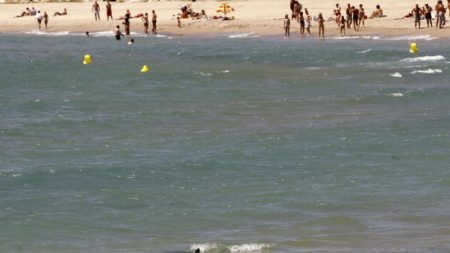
{"x": 228, "y": 144}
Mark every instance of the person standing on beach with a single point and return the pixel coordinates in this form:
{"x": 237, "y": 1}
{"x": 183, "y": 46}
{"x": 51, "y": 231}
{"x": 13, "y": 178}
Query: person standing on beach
{"x": 301, "y": 20}
{"x": 417, "y": 12}
{"x": 337, "y": 13}
{"x": 109, "y": 11}
{"x": 179, "y": 22}
{"x": 321, "y": 21}
{"x": 154, "y": 18}
{"x": 126, "y": 22}
{"x": 355, "y": 18}
{"x": 362, "y": 15}
{"x": 145, "y": 19}
{"x": 39, "y": 18}
{"x": 428, "y": 16}
{"x": 440, "y": 17}
{"x": 96, "y": 10}
{"x": 308, "y": 22}
{"x": 287, "y": 26}
{"x": 348, "y": 12}
{"x": 45, "y": 19}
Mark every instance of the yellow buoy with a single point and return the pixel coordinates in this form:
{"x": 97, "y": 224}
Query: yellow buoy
{"x": 413, "y": 48}
{"x": 145, "y": 68}
{"x": 87, "y": 59}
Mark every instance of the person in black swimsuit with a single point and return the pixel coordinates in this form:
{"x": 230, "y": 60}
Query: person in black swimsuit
{"x": 118, "y": 33}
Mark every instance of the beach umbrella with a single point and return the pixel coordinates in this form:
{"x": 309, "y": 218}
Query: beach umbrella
{"x": 225, "y": 8}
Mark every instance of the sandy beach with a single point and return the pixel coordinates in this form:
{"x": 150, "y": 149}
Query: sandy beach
{"x": 258, "y": 17}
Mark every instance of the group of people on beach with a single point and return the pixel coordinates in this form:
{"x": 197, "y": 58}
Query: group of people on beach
{"x": 426, "y": 13}
{"x": 353, "y": 15}
{"x": 40, "y": 17}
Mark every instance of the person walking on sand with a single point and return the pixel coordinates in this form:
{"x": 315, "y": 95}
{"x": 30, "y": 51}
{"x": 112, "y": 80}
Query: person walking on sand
{"x": 287, "y": 26}
{"x": 440, "y": 15}
{"x": 321, "y": 21}
{"x": 109, "y": 11}
{"x": 154, "y": 18}
{"x": 179, "y": 22}
{"x": 39, "y": 18}
{"x": 145, "y": 20}
{"x": 96, "y": 10}
{"x": 45, "y": 19}
{"x": 343, "y": 23}
{"x": 301, "y": 20}
{"x": 428, "y": 16}
{"x": 417, "y": 13}
{"x": 308, "y": 22}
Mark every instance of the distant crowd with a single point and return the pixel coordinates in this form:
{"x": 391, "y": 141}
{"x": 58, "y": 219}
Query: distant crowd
{"x": 354, "y": 17}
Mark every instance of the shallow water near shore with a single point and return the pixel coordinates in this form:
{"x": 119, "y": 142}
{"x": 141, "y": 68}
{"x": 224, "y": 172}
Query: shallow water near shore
{"x": 234, "y": 144}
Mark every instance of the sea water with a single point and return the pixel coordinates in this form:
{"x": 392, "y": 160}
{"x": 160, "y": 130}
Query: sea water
{"x": 228, "y": 144}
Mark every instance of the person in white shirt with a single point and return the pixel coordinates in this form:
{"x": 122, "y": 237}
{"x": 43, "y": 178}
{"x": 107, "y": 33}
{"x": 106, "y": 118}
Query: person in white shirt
{"x": 39, "y": 18}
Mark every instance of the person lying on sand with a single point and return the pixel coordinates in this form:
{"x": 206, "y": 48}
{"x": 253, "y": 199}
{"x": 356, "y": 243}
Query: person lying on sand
{"x": 27, "y": 12}
{"x": 64, "y": 13}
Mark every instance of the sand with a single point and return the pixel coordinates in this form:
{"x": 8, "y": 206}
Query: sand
{"x": 262, "y": 17}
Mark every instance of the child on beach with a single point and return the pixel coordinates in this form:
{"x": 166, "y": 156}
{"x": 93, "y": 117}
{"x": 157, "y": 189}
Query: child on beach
{"x": 301, "y": 20}
{"x": 145, "y": 19}
{"x": 308, "y": 22}
{"x": 96, "y": 10}
{"x": 179, "y": 22}
{"x": 109, "y": 11}
{"x": 118, "y": 33}
{"x": 287, "y": 25}
{"x": 321, "y": 21}
{"x": 343, "y": 22}
{"x": 45, "y": 19}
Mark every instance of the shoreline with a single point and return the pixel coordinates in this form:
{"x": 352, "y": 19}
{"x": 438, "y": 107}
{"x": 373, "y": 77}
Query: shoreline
{"x": 267, "y": 22}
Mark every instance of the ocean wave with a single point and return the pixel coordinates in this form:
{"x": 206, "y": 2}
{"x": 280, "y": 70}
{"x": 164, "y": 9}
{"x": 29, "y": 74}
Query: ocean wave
{"x": 241, "y": 248}
{"x": 243, "y": 35}
{"x": 396, "y": 94}
{"x": 364, "y": 51}
{"x": 356, "y": 37}
{"x": 427, "y": 71}
{"x": 396, "y": 74}
{"x": 37, "y": 32}
{"x": 427, "y": 58}
{"x": 412, "y": 37}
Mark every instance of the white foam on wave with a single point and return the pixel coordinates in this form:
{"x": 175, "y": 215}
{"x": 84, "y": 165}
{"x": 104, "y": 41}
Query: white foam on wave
{"x": 412, "y": 37}
{"x": 427, "y": 58}
{"x": 396, "y": 74}
{"x": 241, "y": 248}
{"x": 205, "y": 247}
{"x": 103, "y": 34}
{"x": 396, "y": 94}
{"x": 356, "y": 37}
{"x": 243, "y": 35}
{"x": 364, "y": 51}
{"x": 252, "y": 247}
{"x": 427, "y": 71}
{"x": 37, "y": 32}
